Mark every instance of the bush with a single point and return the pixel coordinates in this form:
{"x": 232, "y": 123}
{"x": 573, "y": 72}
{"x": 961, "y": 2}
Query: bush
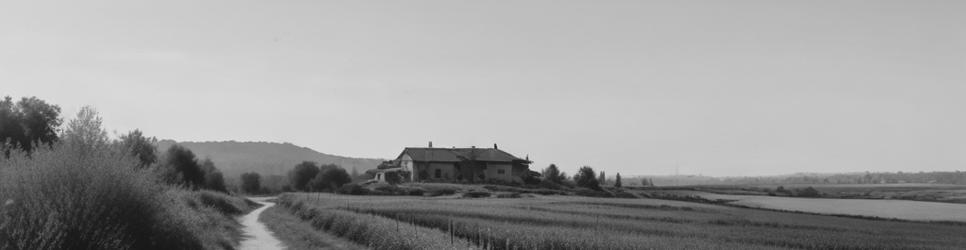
{"x": 76, "y": 199}
{"x": 87, "y": 192}
{"x": 331, "y": 179}
{"x": 353, "y": 189}
{"x": 476, "y": 194}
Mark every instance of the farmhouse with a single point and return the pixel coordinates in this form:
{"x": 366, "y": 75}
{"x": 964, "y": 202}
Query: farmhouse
{"x": 461, "y": 165}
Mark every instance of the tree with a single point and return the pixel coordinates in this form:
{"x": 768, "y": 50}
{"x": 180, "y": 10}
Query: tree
{"x": 329, "y": 179}
{"x": 214, "y": 179}
{"x": 29, "y": 123}
{"x": 302, "y": 174}
{"x": 644, "y": 182}
{"x": 141, "y": 147}
{"x": 617, "y": 180}
{"x": 85, "y": 130}
{"x": 552, "y": 174}
{"x": 601, "y": 179}
{"x": 181, "y": 167}
{"x": 251, "y": 182}
{"x": 585, "y": 177}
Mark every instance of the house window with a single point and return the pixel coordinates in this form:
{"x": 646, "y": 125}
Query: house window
{"x": 439, "y": 174}
{"x": 500, "y": 171}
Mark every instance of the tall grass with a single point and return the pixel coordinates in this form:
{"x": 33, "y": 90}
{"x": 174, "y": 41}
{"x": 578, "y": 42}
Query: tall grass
{"x": 80, "y": 197}
{"x": 373, "y": 231}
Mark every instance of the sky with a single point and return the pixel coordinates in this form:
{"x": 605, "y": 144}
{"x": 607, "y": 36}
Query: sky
{"x": 719, "y": 88}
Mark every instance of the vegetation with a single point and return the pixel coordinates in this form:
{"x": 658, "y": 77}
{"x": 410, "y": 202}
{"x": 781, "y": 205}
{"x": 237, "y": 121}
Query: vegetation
{"x": 555, "y": 222}
{"x": 26, "y": 124}
{"x": 303, "y": 173}
{"x": 87, "y": 191}
{"x": 553, "y": 175}
{"x": 330, "y": 178}
{"x": 617, "y": 181}
{"x": 251, "y": 183}
{"x": 141, "y": 147}
{"x": 585, "y": 178}
{"x": 371, "y": 231}
{"x": 214, "y": 180}
{"x": 297, "y": 234}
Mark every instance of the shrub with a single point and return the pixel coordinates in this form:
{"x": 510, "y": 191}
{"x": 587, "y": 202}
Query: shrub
{"x": 476, "y": 194}
{"x": 77, "y": 199}
{"x": 331, "y": 178}
{"x": 353, "y": 189}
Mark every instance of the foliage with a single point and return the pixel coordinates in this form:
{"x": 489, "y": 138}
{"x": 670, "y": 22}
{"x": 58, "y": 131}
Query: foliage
{"x": 251, "y": 182}
{"x": 85, "y": 131}
{"x": 300, "y": 176}
{"x": 553, "y": 175}
{"x": 214, "y": 179}
{"x": 585, "y": 177}
{"x": 181, "y": 167}
{"x": 601, "y": 179}
{"x": 84, "y": 193}
{"x": 26, "y": 124}
{"x": 331, "y": 178}
{"x": 617, "y": 180}
{"x": 141, "y": 147}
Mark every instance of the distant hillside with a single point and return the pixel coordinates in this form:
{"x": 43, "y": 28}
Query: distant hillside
{"x": 266, "y": 158}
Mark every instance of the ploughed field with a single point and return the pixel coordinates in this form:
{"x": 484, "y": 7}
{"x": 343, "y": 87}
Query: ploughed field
{"x": 570, "y": 222}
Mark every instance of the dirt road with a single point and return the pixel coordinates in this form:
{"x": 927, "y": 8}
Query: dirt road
{"x": 257, "y": 235}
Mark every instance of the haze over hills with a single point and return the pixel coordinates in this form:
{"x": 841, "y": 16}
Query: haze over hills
{"x": 266, "y": 158}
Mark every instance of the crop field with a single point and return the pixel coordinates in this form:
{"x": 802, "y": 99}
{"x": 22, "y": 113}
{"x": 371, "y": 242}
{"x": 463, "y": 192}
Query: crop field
{"x": 569, "y": 222}
{"x": 891, "y": 209}
{"x": 947, "y": 193}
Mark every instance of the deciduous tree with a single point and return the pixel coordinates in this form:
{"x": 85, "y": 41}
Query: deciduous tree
{"x": 300, "y": 176}
{"x": 585, "y": 177}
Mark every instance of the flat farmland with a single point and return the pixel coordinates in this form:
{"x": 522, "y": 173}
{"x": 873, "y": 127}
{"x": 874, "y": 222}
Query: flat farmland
{"x": 568, "y": 222}
{"x": 898, "y": 209}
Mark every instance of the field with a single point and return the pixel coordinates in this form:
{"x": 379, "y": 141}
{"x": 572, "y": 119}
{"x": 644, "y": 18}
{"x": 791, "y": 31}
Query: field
{"x": 898, "y": 209}
{"x": 901, "y": 191}
{"x": 569, "y": 222}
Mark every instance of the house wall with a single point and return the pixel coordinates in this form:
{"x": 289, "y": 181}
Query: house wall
{"x": 499, "y": 171}
{"x": 447, "y": 171}
{"x": 406, "y": 163}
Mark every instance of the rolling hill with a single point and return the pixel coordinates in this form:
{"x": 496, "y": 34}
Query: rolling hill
{"x": 266, "y": 158}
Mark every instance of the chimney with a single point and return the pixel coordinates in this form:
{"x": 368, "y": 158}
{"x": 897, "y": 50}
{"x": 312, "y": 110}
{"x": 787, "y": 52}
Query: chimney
{"x": 430, "y": 144}
{"x": 495, "y": 147}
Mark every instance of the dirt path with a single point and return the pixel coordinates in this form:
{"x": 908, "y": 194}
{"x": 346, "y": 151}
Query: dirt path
{"x": 257, "y": 235}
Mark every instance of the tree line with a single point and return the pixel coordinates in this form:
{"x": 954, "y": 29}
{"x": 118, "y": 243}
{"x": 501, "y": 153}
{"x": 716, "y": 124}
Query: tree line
{"x": 585, "y": 177}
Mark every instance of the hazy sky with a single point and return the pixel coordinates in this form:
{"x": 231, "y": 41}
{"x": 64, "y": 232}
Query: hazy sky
{"x": 719, "y": 88}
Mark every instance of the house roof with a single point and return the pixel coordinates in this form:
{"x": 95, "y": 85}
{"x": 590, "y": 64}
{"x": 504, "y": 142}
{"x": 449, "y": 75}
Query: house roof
{"x": 459, "y": 154}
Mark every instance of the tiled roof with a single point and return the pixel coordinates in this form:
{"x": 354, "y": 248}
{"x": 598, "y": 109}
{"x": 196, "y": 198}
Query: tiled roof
{"x": 459, "y": 154}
